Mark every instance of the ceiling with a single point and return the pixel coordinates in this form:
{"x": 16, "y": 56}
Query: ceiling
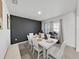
{"x": 48, "y": 8}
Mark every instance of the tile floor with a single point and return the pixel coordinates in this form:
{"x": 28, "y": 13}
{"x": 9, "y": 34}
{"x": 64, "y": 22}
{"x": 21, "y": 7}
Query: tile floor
{"x": 26, "y": 53}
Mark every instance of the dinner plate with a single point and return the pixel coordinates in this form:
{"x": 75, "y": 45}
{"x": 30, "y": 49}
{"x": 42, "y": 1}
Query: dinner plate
{"x": 39, "y": 39}
{"x": 49, "y": 41}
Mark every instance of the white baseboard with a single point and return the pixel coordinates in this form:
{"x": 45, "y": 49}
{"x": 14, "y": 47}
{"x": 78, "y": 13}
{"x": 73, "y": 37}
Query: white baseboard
{"x": 21, "y": 42}
{"x": 71, "y": 45}
{"x": 77, "y": 50}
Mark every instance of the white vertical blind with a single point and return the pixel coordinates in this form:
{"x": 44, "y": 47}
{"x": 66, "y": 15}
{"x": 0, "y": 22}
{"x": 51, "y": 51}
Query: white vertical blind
{"x": 47, "y": 27}
{"x": 56, "y": 27}
{"x": 51, "y": 26}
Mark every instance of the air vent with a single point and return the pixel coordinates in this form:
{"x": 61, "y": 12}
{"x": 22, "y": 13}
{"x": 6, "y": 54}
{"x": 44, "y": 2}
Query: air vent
{"x": 14, "y": 1}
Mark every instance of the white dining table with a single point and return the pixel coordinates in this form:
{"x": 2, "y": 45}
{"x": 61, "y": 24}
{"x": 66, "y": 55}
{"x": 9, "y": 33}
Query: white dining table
{"x": 46, "y": 45}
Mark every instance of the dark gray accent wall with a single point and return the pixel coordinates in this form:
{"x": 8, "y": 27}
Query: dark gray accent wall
{"x": 20, "y": 27}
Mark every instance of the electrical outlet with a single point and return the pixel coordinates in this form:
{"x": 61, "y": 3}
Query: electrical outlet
{"x": 15, "y": 39}
{"x": 14, "y": 1}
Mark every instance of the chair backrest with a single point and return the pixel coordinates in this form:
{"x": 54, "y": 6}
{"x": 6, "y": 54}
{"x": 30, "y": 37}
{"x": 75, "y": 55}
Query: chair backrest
{"x": 29, "y": 39}
{"x": 42, "y": 35}
{"x": 35, "y": 44}
{"x": 30, "y": 36}
{"x": 48, "y": 36}
{"x": 61, "y": 51}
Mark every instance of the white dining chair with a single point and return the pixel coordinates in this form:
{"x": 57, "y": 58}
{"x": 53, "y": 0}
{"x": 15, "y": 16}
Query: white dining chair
{"x": 42, "y": 35}
{"x": 48, "y": 36}
{"x": 30, "y": 37}
{"x": 56, "y": 52}
{"x": 30, "y": 34}
{"x": 29, "y": 40}
{"x": 37, "y": 48}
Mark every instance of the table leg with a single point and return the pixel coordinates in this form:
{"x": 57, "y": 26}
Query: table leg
{"x": 44, "y": 53}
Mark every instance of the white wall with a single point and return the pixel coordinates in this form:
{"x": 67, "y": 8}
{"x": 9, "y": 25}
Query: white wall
{"x": 68, "y": 27}
{"x": 4, "y": 42}
{"x": 77, "y": 41}
{"x": 4, "y": 34}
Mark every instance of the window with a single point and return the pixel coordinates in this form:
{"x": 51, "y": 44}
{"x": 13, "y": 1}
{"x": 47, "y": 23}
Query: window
{"x": 50, "y": 27}
{"x": 47, "y": 27}
{"x": 56, "y": 27}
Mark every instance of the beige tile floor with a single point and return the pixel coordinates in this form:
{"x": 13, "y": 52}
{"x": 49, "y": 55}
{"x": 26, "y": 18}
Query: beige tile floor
{"x": 26, "y": 53}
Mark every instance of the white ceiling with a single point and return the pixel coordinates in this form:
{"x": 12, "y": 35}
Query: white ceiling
{"x": 49, "y": 8}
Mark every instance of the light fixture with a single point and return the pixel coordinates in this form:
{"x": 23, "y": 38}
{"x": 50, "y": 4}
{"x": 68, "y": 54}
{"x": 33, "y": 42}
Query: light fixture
{"x": 39, "y": 12}
{"x": 14, "y": 1}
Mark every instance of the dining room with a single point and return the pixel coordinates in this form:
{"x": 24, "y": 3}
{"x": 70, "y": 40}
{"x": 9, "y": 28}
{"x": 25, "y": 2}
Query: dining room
{"x": 39, "y": 29}
{"x": 37, "y": 41}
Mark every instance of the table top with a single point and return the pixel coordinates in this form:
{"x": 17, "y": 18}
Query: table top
{"x": 46, "y": 43}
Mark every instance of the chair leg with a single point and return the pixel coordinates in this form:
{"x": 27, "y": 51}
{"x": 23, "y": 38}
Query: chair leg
{"x": 28, "y": 45}
{"x": 38, "y": 55}
{"x": 33, "y": 51}
{"x": 63, "y": 57}
{"x": 31, "y": 47}
{"x": 50, "y": 57}
{"x": 47, "y": 55}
